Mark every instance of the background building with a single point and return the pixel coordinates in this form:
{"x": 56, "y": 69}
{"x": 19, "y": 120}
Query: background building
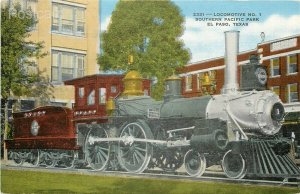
{"x": 281, "y": 58}
{"x": 70, "y": 32}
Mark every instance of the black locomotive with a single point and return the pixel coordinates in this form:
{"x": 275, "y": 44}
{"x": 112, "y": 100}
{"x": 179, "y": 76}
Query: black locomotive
{"x": 237, "y": 129}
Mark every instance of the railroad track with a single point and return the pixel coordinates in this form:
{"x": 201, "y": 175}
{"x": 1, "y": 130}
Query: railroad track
{"x": 209, "y": 176}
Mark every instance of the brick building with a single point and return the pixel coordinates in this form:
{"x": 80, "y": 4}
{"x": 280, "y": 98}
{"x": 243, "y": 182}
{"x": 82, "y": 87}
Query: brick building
{"x": 281, "y": 58}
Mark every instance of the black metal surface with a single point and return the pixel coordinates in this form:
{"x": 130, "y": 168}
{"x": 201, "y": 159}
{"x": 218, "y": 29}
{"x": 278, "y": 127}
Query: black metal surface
{"x": 264, "y": 162}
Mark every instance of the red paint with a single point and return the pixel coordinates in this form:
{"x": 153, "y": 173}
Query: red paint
{"x": 57, "y": 125}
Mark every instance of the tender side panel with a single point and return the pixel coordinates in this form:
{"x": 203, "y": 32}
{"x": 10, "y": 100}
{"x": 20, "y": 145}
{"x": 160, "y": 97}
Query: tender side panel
{"x": 50, "y": 122}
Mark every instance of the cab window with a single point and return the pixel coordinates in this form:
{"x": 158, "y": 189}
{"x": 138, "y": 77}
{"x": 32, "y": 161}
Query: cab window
{"x": 81, "y": 92}
{"x": 113, "y": 89}
{"x": 102, "y": 95}
{"x": 91, "y": 98}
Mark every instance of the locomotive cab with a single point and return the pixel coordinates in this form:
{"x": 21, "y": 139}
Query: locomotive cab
{"x": 94, "y": 95}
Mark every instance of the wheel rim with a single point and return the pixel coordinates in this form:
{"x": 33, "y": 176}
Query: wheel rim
{"x": 135, "y": 156}
{"x": 194, "y": 163}
{"x": 17, "y": 158}
{"x": 35, "y": 158}
{"x": 97, "y": 153}
{"x": 234, "y": 165}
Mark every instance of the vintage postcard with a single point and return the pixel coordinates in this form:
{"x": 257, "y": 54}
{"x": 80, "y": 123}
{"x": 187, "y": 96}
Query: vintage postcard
{"x": 132, "y": 96}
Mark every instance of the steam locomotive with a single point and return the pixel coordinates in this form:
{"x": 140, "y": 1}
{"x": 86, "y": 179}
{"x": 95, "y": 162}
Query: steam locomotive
{"x": 113, "y": 130}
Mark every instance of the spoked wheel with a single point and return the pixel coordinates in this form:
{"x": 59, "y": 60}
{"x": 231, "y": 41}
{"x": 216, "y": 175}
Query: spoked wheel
{"x": 194, "y": 163}
{"x": 35, "y": 158}
{"x": 18, "y": 160}
{"x": 69, "y": 159}
{"x": 169, "y": 160}
{"x": 234, "y": 165}
{"x": 97, "y": 153}
{"x": 134, "y": 156}
{"x": 50, "y": 162}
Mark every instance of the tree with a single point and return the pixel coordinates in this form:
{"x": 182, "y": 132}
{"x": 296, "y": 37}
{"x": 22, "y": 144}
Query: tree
{"x": 18, "y": 77}
{"x": 149, "y": 31}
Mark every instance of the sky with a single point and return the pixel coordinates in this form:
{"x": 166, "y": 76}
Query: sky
{"x": 277, "y": 19}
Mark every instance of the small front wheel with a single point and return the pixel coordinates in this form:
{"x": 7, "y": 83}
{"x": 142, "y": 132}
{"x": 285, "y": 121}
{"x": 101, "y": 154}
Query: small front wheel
{"x": 194, "y": 163}
{"x": 234, "y": 165}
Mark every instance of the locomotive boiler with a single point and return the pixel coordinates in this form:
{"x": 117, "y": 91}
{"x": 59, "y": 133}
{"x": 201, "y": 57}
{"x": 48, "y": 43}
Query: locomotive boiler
{"x": 235, "y": 129}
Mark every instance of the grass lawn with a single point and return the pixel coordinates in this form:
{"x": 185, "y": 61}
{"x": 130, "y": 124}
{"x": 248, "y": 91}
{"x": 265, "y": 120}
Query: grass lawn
{"x": 13, "y": 181}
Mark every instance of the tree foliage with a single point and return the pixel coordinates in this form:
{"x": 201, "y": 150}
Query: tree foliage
{"x": 150, "y": 31}
{"x": 17, "y": 53}
{"x": 19, "y": 73}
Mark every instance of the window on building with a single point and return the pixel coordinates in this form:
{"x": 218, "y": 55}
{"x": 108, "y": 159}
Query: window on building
{"x": 55, "y": 18}
{"x": 68, "y": 19}
{"x": 29, "y": 66}
{"x": 27, "y": 105}
{"x": 275, "y": 67}
{"x": 91, "y": 98}
{"x": 55, "y": 67}
{"x": 102, "y": 95}
{"x": 58, "y": 104}
{"x": 292, "y": 92}
{"x": 80, "y": 65}
{"x": 80, "y": 19}
{"x": 206, "y": 78}
{"x": 25, "y": 5}
{"x": 66, "y": 65}
{"x": 67, "y": 69}
{"x": 292, "y": 66}
{"x": 32, "y": 5}
{"x": 188, "y": 82}
{"x": 275, "y": 89}
{"x": 32, "y": 68}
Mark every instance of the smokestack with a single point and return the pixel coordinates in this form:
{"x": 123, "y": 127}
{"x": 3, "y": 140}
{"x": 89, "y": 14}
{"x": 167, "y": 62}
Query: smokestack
{"x": 231, "y": 51}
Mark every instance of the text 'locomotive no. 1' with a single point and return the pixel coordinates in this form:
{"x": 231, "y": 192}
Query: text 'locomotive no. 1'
{"x": 235, "y": 129}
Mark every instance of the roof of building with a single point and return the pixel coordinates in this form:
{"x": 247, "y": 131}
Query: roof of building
{"x": 243, "y": 52}
{"x": 279, "y": 39}
{"x": 217, "y": 58}
{"x": 71, "y": 81}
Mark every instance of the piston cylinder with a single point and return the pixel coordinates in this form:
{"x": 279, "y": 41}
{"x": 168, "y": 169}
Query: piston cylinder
{"x": 216, "y": 141}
